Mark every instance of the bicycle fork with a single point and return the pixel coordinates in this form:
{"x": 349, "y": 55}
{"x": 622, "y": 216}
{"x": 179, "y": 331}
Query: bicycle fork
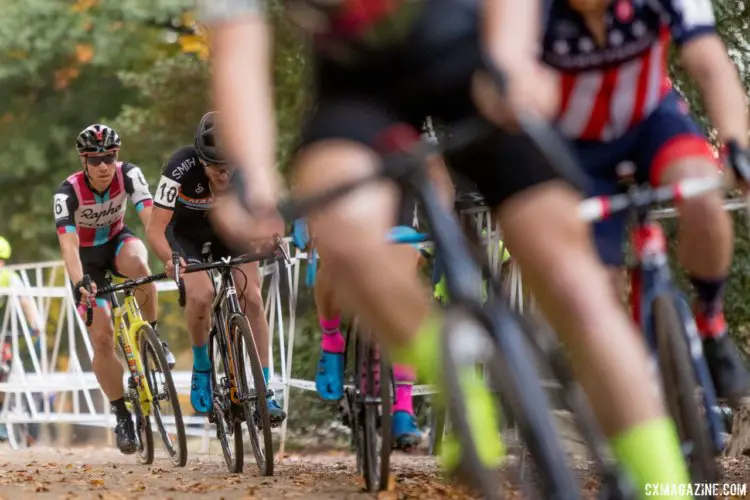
{"x": 651, "y": 277}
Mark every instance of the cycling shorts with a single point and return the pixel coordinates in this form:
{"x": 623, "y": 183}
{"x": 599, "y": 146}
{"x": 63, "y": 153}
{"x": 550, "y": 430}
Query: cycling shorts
{"x": 667, "y": 135}
{"x": 98, "y": 260}
{"x": 362, "y": 104}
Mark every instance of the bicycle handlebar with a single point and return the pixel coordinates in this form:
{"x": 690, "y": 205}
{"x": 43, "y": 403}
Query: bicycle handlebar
{"x": 278, "y": 253}
{"x": 602, "y": 207}
{"x": 131, "y": 284}
{"x": 409, "y": 238}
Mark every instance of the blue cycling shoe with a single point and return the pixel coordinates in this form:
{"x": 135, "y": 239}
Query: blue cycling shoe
{"x": 201, "y": 394}
{"x": 406, "y": 434}
{"x": 275, "y": 413}
{"x": 329, "y": 379}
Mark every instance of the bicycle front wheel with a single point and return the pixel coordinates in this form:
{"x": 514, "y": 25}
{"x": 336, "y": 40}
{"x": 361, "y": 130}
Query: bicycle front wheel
{"x": 376, "y": 420}
{"x": 165, "y": 405}
{"x": 253, "y": 396}
{"x": 680, "y": 386}
{"x": 469, "y": 339}
{"x": 225, "y": 412}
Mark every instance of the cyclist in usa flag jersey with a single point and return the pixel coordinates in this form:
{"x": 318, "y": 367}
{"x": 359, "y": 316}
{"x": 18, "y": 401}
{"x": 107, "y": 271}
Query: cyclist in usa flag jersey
{"x": 618, "y": 105}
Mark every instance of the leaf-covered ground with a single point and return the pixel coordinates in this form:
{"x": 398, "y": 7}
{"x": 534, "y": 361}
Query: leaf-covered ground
{"x": 102, "y": 473}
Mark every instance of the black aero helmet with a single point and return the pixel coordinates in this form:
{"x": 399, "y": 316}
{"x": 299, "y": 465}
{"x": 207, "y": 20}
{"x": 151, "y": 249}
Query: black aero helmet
{"x": 97, "y": 138}
{"x": 206, "y": 141}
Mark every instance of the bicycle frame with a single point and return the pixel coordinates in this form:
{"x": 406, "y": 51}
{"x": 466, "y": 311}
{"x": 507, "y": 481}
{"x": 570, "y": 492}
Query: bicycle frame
{"x": 223, "y": 310}
{"x": 650, "y": 278}
{"x": 226, "y": 304}
{"x": 128, "y": 322}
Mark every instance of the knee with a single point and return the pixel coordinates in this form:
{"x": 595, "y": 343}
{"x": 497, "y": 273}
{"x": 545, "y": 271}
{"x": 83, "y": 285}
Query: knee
{"x": 704, "y": 210}
{"x": 198, "y": 301}
{"x": 551, "y": 209}
{"x": 149, "y": 288}
{"x": 136, "y": 267}
{"x": 102, "y": 340}
{"x": 252, "y": 298}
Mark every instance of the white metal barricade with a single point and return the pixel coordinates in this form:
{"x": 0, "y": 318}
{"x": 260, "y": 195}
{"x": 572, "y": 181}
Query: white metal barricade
{"x": 42, "y": 371}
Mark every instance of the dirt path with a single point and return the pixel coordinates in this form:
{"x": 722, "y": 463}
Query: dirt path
{"x": 45, "y": 473}
{"x": 102, "y": 473}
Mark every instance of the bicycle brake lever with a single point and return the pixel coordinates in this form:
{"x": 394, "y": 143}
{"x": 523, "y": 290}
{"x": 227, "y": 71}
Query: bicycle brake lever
{"x": 281, "y": 247}
{"x": 89, "y": 307}
{"x": 177, "y": 280}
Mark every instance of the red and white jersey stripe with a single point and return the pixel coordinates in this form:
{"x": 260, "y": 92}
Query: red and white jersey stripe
{"x": 608, "y": 88}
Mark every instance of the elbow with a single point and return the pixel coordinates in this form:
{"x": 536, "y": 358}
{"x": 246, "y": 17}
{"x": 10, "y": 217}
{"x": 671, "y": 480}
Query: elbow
{"x": 152, "y": 234}
{"x": 712, "y": 70}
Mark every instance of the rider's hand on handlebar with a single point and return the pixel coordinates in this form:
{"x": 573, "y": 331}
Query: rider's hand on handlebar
{"x": 169, "y": 268}
{"x": 739, "y": 160}
{"x": 529, "y": 87}
{"x": 86, "y": 296}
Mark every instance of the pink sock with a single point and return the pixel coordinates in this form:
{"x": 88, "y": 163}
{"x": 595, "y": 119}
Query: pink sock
{"x": 404, "y": 376}
{"x": 332, "y": 340}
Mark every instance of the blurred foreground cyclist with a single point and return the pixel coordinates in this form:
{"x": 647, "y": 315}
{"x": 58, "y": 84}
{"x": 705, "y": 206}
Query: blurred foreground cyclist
{"x": 406, "y": 60}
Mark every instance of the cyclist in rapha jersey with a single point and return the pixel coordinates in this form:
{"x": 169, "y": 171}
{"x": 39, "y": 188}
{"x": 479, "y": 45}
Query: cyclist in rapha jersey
{"x": 415, "y": 59}
{"x": 618, "y": 105}
{"x": 190, "y": 179}
{"x": 89, "y": 209}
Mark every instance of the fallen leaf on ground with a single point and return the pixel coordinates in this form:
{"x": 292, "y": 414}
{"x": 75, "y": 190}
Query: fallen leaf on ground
{"x": 96, "y": 482}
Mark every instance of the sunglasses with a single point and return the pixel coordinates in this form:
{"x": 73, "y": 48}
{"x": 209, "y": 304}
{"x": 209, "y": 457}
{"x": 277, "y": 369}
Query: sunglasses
{"x": 95, "y": 161}
{"x": 220, "y": 168}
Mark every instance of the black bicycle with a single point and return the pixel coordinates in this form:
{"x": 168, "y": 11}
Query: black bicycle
{"x": 239, "y": 394}
{"x": 474, "y": 333}
{"x": 366, "y": 406}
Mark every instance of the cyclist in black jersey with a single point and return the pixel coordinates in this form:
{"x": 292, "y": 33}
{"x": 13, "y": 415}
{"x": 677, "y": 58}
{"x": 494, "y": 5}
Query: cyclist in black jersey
{"x": 379, "y": 63}
{"x": 189, "y": 181}
{"x": 329, "y": 377}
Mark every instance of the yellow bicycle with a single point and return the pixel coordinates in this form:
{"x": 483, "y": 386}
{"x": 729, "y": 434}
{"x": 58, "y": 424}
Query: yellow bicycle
{"x": 146, "y": 395}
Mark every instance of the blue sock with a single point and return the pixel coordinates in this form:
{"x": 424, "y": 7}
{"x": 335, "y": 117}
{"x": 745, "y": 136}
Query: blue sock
{"x": 200, "y": 359}
{"x": 266, "y": 374}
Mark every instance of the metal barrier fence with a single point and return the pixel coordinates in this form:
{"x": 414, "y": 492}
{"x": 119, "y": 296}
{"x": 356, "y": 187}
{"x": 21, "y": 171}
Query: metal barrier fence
{"x": 39, "y": 370}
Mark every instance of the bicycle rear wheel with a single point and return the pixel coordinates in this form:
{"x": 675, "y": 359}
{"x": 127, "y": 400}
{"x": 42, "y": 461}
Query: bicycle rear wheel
{"x": 164, "y": 393}
{"x": 224, "y": 414}
{"x": 512, "y": 371}
{"x": 253, "y": 396}
{"x": 680, "y": 384}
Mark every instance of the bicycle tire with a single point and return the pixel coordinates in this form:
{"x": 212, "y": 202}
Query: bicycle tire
{"x": 438, "y": 422}
{"x": 371, "y": 388}
{"x": 679, "y": 383}
{"x": 144, "y": 434}
{"x": 386, "y": 420}
{"x": 224, "y": 414}
{"x": 512, "y": 370}
{"x": 614, "y": 484}
{"x": 150, "y": 342}
{"x": 260, "y": 419}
